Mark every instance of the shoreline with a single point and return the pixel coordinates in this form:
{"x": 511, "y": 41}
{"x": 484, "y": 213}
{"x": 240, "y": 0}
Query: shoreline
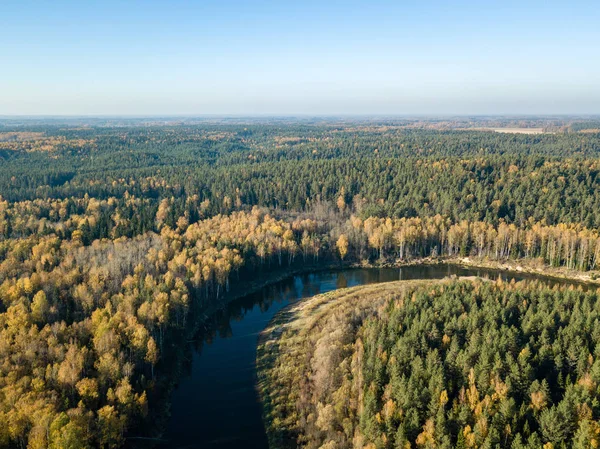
{"x": 297, "y": 317}
{"x": 295, "y": 320}
{"x": 520, "y": 266}
{"x": 267, "y": 278}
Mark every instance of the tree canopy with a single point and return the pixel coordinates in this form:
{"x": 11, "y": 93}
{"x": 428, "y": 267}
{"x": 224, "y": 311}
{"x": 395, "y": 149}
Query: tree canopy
{"x": 116, "y": 237}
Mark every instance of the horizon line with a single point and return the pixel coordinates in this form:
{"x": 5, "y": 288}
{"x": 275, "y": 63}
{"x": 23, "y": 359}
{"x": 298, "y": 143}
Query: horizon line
{"x": 304, "y": 115}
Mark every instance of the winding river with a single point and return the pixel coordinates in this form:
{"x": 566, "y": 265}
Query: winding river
{"x": 215, "y": 404}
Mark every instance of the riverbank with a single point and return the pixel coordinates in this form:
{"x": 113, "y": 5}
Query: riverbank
{"x": 519, "y": 266}
{"x": 266, "y": 277}
{"x": 312, "y": 344}
{"x": 289, "y": 346}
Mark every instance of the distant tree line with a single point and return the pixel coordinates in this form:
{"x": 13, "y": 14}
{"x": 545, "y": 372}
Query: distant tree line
{"x": 469, "y": 175}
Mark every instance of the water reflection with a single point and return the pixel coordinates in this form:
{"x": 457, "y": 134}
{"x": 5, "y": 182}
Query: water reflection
{"x": 215, "y": 404}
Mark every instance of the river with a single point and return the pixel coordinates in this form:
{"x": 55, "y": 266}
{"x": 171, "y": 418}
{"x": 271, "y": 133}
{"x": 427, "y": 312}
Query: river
{"x": 215, "y": 404}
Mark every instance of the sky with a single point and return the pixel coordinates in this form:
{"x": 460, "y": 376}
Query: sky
{"x": 286, "y": 57}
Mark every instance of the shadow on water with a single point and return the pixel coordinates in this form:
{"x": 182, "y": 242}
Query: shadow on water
{"x": 215, "y": 404}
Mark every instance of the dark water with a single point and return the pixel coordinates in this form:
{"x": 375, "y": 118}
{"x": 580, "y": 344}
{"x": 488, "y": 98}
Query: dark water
{"x": 215, "y": 404}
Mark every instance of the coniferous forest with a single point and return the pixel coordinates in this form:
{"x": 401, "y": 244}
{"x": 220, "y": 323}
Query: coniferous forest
{"x": 118, "y": 236}
{"x": 451, "y": 364}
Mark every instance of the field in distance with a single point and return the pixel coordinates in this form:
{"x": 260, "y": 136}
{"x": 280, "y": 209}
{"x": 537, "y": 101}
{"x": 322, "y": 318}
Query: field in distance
{"x": 511, "y": 130}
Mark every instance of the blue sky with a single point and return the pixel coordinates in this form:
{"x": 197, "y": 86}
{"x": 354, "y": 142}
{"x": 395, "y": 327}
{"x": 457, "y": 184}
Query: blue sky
{"x": 253, "y": 57}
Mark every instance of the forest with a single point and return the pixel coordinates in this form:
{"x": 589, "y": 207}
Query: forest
{"x": 116, "y": 238}
{"x": 435, "y": 364}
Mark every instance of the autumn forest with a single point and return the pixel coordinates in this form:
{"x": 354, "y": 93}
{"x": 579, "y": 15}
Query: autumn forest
{"x": 118, "y": 237}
